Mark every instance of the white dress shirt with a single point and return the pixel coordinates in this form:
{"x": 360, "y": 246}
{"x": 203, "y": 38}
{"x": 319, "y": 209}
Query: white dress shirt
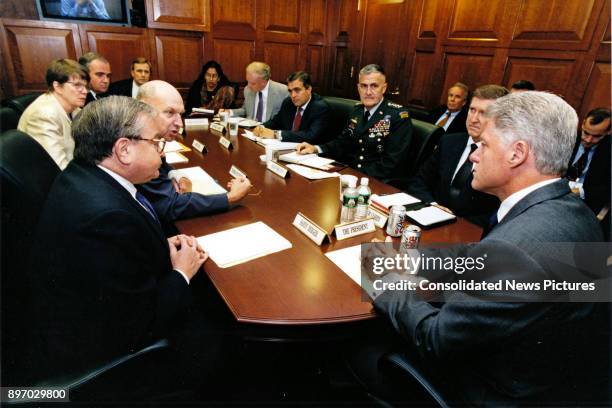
{"x": 135, "y": 89}
{"x": 452, "y": 117}
{"x": 125, "y": 183}
{"x": 514, "y": 198}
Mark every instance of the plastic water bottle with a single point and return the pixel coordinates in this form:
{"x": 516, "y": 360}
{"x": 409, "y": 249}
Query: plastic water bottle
{"x": 349, "y": 202}
{"x": 363, "y": 199}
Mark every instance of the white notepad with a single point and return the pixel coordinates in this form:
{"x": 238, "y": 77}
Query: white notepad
{"x": 241, "y": 244}
{"x": 201, "y": 181}
{"x": 349, "y": 260}
{"x": 310, "y": 173}
{"x": 174, "y": 146}
{"x": 310, "y": 160}
{"x": 430, "y": 215}
{"x": 175, "y": 157}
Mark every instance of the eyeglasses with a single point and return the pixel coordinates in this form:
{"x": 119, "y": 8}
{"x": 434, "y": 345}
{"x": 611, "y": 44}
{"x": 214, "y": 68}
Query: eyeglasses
{"x": 159, "y": 143}
{"x": 79, "y": 86}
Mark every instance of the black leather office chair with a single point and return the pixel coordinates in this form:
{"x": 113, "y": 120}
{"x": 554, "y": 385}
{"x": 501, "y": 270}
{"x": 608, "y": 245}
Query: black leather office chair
{"x": 9, "y": 118}
{"x": 341, "y": 108}
{"x": 21, "y": 102}
{"x": 26, "y": 175}
{"x": 425, "y": 138}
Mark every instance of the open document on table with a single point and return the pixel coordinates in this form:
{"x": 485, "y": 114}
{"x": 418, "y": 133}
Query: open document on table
{"x": 201, "y": 181}
{"x": 241, "y": 244}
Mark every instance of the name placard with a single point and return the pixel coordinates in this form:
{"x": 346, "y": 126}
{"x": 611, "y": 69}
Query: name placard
{"x": 225, "y": 142}
{"x": 277, "y": 169}
{"x": 309, "y": 228}
{"x": 380, "y": 218}
{"x": 218, "y": 127}
{"x": 200, "y": 147}
{"x": 237, "y": 173}
{"x": 352, "y": 229}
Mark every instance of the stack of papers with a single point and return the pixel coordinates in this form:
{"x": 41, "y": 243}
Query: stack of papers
{"x": 203, "y": 110}
{"x": 201, "y": 181}
{"x": 385, "y": 202}
{"x": 241, "y": 244}
{"x": 175, "y": 157}
{"x": 310, "y": 173}
{"x": 196, "y": 123}
{"x": 430, "y": 216}
{"x": 310, "y": 160}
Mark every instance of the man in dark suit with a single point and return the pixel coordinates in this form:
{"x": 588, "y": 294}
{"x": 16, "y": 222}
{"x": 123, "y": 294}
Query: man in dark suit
{"x": 510, "y": 346}
{"x": 451, "y": 117}
{"x": 303, "y": 116}
{"x": 140, "y": 72}
{"x": 105, "y": 279}
{"x": 172, "y": 197}
{"x": 589, "y": 167}
{"x": 99, "y": 75}
{"x": 378, "y": 134}
{"x": 446, "y": 177}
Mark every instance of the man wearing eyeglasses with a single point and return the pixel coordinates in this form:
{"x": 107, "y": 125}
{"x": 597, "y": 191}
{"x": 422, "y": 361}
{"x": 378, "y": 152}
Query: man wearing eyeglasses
{"x": 377, "y": 136}
{"x": 172, "y": 197}
{"x": 105, "y": 280}
{"x": 48, "y": 119}
{"x": 589, "y": 167}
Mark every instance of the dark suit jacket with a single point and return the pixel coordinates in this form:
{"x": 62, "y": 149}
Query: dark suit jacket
{"x": 101, "y": 273}
{"x": 457, "y": 125}
{"x": 432, "y": 182}
{"x": 516, "y": 350}
{"x": 123, "y": 87}
{"x": 379, "y": 148}
{"x": 171, "y": 206}
{"x": 90, "y": 97}
{"x": 597, "y": 179}
{"x": 312, "y": 127}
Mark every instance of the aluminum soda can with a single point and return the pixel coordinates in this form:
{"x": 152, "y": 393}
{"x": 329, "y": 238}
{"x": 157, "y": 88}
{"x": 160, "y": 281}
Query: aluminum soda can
{"x": 410, "y": 238}
{"x": 395, "y": 225}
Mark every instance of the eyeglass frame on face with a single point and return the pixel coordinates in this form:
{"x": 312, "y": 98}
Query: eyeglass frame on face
{"x": 79, "y": 86}
{"x": 161, "y": 142}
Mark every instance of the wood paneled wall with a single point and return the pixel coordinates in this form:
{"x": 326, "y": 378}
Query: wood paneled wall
{"x": 425, "y": 45}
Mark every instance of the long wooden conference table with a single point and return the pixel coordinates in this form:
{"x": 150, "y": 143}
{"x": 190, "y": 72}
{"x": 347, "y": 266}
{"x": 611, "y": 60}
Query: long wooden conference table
{"x": 300, "y": 285}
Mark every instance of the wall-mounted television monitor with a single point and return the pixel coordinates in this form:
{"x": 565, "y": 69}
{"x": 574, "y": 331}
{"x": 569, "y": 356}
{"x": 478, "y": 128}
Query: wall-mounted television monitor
{"x": 114, "y": 12}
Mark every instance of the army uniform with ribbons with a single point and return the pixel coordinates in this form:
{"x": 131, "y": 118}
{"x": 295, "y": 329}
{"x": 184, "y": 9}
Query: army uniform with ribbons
{"x": 378, "y": 147}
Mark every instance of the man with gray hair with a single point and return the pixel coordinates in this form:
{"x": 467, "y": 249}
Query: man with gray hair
{"x": 378, "y": 134}
{"x": 505, "y": 346}
{"x": 99, "y": 75}
{"x": 263, "y": 97}
{"x": 105, "y": 279}
{"x": 451, "y": 116}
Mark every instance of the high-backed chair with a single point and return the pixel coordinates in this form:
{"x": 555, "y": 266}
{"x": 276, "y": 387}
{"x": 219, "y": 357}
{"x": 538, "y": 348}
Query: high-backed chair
{"x": 27, "y": 173}
{"x": 21, "y": 102}
{"x": 9, "y": 118}
{"x": 425, "y": 138}
{"x": 341, "y": 108}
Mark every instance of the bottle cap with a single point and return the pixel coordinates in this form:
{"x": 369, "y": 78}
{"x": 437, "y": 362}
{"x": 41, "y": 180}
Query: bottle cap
{"x": 365, "y": 181}
{"x": 352, "y": 183}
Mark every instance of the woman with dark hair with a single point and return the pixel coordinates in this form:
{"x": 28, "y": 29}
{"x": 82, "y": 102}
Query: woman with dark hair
{"x": 211, "y": 90}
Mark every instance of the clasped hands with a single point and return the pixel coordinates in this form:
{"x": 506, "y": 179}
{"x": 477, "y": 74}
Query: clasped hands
{"x": 186, "y": 254}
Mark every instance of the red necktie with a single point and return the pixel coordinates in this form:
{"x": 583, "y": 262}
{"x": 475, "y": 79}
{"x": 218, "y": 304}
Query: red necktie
{"x": 297, "y": 120}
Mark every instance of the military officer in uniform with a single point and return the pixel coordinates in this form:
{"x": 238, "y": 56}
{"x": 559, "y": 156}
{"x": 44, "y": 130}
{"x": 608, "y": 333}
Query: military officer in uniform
{"x": 377, "y": 136}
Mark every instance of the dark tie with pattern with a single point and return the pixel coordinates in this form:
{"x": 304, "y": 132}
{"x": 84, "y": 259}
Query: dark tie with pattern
{"x": 492, "y": 223}
{"x": 297, "y": 120}
{"x": 575, "y": 172}
{"x": 147, "y": 205}
{"x": 463, "y": 176}
{"x": 259, "y": 114}
{"x": 445, "y": 119}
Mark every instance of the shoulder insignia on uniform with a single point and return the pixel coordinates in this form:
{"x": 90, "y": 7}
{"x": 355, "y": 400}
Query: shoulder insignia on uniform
{"x": 394, "y": 105}
{"x": 404, "y": 115}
